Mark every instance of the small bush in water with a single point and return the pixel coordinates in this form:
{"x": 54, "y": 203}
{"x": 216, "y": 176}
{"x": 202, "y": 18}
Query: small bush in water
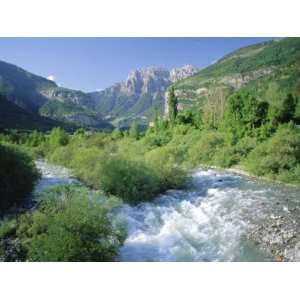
{"x": 130, "y": 180}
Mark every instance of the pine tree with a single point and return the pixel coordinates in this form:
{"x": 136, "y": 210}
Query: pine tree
{"x": 172, "y": 105}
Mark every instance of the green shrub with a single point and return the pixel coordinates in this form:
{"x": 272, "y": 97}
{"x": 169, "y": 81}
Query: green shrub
{"x": 58, "y": 137}
{"x": 7, "y": 228}
{"x": 205, "y": 149}
{"x": 164, "y": 162}
{"x": 70, "y": 225}
{"x": 128, "y": 179}
{"x": 245, "y": 146}
{"x": 63, "y": 155}
{"x": 85, "y": 163}
{"x": 290, "y": 176}
{"x": 226, "y": 157}
{"x": 18, "y": 175}
{"x": 278, "y": 155}
{"x": 156, "y": 139}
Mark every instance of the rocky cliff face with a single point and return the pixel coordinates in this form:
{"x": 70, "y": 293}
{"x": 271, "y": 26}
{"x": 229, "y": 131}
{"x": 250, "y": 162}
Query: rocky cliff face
{"x": 67, "y": 95}
{"x": 183, "y": 72}
{"x": 136, "y": 96}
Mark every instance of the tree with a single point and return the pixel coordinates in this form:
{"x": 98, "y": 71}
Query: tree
{"x": 297, "y": 111}
{"x": 172, "y": 105}
{"x": 35, "y": 138}
{"x": 213, "y": 110}
{"x": 155, "y": 118}
{"x": 58, "y": 137}
{"x": 288, "y": 108}
{"x": 18, "y": 175}
{"x": 116, "y": 134}
{"x": 244, "y": 113}
{"x": 283, "y": 112}
{"x": 133, "y": 131}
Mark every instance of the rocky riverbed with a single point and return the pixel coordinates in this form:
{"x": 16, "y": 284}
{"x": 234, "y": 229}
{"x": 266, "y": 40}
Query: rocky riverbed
{"x": 279, "y": 233}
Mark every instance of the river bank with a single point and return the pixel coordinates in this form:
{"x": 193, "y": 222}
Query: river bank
{"x": 238, "y": 170}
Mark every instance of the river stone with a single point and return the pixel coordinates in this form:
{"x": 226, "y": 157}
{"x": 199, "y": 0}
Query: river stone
{"x": 278, "y": 235}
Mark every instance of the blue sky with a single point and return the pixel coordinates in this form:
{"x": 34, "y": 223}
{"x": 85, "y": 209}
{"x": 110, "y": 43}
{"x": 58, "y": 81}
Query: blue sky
{"x": 89, "y": 64}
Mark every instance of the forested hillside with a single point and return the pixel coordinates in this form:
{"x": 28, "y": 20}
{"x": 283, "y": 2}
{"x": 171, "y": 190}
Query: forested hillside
{"x": 270, "y": 70}
{"x": 41, "y": 97}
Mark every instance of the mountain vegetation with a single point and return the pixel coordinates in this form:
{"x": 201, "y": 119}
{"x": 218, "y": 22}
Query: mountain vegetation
{"x": 263, "y": 69}
{"x": 13, "y": 117}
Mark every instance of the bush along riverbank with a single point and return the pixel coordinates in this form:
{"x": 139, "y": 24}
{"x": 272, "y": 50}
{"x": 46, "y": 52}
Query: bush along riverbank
{"x": 69, "y": 224}
{"x": 18, "y": 176}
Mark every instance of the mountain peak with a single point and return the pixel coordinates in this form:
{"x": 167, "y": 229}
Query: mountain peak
{"x": 183, "y": 72}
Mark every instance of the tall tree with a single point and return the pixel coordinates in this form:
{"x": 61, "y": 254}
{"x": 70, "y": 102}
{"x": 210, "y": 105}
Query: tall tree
{"x": 172, "y": 105}
{"x": 155, "y": 118}
{"x": 213, "y": 110}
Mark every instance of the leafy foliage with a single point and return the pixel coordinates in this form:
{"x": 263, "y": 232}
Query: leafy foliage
{"x": 17, "y": 177}
{"x": 70, "y": 225}
{"x": 130, "y": 180}
{"x": 244, "y": 113}
{"x": 279, "y": 154}
{"x": 172, "y": 106}
{"x": 58, "y": 137}
{"x": 133, "y": 131}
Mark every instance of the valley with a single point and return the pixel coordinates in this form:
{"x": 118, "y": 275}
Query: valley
{"x": 142, "y": 170}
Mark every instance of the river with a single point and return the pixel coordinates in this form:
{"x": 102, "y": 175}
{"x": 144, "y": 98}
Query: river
{"x": 218, "y": 217}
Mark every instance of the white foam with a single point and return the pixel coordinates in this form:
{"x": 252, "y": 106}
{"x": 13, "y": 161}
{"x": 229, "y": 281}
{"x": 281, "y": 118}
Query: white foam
{"x": 51, "y": 175}
{"x": 203, "y": 225}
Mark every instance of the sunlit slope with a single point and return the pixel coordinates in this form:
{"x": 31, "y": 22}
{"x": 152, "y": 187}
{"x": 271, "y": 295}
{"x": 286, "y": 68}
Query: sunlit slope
{"x": 254, "y": 67}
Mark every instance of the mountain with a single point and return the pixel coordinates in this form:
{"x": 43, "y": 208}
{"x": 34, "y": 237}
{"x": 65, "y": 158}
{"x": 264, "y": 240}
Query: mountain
{"x": 14, "y": 117}
{"x": 272, "y": 65}
{"x": 41, "y": 97}
{"x": 135, "y": 97}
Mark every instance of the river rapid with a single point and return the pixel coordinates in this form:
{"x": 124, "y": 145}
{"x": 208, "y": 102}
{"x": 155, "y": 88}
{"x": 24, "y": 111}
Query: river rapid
{"x": 218, "y": 217}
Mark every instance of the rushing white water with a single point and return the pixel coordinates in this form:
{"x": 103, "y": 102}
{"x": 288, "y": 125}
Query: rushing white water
{"x": 51, "y": 175}
{"x": 205, "y": 222}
